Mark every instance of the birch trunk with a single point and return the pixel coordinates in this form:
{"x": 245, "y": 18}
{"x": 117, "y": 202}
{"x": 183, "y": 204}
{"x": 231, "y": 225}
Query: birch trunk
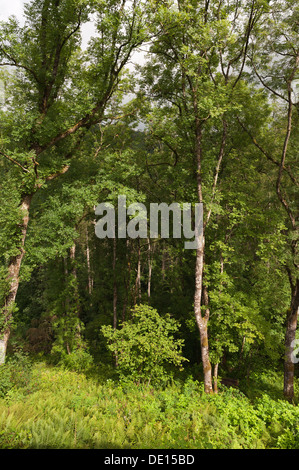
{"x": 215, "y": 378}
{"x": 202, "y": 321}
{"x": 114, "y": 295}
{"x": 127, "y": 280}
{"x": 138, "y": 276}
{"x": 114, "y": 286}
{"x": 74, "y": 273}
{"x": 90, "y": 278}
{"x": 149, "y": 259}
{"x": 14, "y": 272}
{"x": 292, "y": 320}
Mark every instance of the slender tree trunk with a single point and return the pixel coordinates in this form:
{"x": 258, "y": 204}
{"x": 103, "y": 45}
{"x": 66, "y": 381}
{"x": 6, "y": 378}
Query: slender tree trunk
{"x": 90, "y": 278}
{"x": 138, "y": 276}
{"x": 163, "y": 261}
{"x": 73, "y": 258}
{"x": 241, "y": 356}
{"x": 202, "y": 322}
{"x": 149, "y": 259}
{"x": 74, "y": 274}
{"x": 215, "y": 378}
{"x": 114, "y": 294}
{"x": 127, "y": 280}
{"x": 74, "y": 302}
{"x": 114, "y": 286}
{"x": 66, "y": 276}
{"x": 14, "y": 272}
{"x": 292, "y": 319}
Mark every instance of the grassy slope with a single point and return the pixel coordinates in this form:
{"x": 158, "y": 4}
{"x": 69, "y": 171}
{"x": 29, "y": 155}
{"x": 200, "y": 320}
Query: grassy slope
{"x": 56, "y": 408}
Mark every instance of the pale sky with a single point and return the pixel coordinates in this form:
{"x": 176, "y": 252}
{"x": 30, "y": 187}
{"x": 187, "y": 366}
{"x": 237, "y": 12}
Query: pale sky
{"x": 15, "y": 7}
{"x": 11, "y": 7}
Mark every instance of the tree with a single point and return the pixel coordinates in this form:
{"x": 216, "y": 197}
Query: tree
{"x": 198, "y": 61}
{"x": 145, "y": 345}
{"x": 276, "y": 40}
{"x": 55, "y": 97}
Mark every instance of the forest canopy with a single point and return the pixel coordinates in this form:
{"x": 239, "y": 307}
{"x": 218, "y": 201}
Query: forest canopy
{"x": 208, "y": 118}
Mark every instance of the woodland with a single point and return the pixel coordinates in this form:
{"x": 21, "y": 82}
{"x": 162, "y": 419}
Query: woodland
{"x": 135, "y": 343}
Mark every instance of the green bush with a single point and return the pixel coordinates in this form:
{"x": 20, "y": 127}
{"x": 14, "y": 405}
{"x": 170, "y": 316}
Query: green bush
{"x": 14, "y": 440}
{"x": 5, "y": 380}
{"x": 77, "y": 360}
{"x": 69, "y": 348}
{"x": 15, "y": 373}
{"x": 145, "y": 345}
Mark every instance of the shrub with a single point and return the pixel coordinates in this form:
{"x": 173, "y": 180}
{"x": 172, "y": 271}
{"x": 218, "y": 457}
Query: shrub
{"x": 15, "y": 373}
{"x": 5, "y": 380}
{"x": 145, "y": 345}
{"x": 14, "y": 440}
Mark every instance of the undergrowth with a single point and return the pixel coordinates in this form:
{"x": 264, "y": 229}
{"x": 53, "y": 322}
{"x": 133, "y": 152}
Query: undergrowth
{"x": 55, "y": 408}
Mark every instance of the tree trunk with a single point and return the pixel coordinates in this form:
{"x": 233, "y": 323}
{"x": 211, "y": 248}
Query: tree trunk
{"x": 114, "y": 296}
{"x": 127, "y": 280}
{"x": 114, "y": 286}
{"x": 215, "y": 378}
{"x": 291, "y": 327}
{"x": 163, "y": 261}
{"x": 202, "y": 322}
{"x": 74, "y": 274}
{"x": 90, "y": 278}
{"x": 149, "y": 259}
{"x": 138, "y": 276}
{"x": 14, "y": 271}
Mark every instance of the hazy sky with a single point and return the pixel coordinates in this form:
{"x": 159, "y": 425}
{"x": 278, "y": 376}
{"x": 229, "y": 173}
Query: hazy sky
{"x": 15, "y": 7}
{"x": 11, "y": 7}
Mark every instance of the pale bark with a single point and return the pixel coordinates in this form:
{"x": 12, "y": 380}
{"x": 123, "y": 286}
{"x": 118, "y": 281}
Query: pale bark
{"x": 90, "y": 278}
{"x": 163, "y": 268}
{"x": 14, "y": 270}
{"x": 114, "y": 295}
{"x": 127, "y": 281}
{"x": 74, "y": 273}
{"x": 215, "y": 378}
{"x": 149, "y": 259}
{"x": 138, "y": 276}
{"x": 292, "y": 319}
{"x": 114, "y": 286}
{"x": 202, "y": 321}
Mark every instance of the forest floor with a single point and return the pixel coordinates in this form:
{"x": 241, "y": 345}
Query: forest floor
{"x": 48, "y": 407}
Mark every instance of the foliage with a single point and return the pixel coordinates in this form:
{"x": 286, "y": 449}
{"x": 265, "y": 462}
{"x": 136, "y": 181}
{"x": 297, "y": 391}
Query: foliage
{"x": 209, "y": 115}
{"x": 68, "y": 410}
{"x": 16, "y": 373}
{"x": 145, "y": 345}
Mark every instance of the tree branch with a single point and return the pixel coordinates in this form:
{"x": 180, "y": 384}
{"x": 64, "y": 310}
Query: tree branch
{"x": 220, "y": 157}
{"x": 271, "y": 159}
{"x": 16, "y": 64}
{"x": 14, "y": 161}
